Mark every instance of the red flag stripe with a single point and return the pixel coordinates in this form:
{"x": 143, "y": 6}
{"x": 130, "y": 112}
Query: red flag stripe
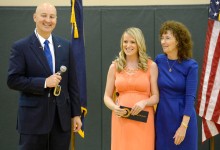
{"x": 214, "y": 80}
{"x": 208, "y": 80}
{"x": 206, "y": 132}
{"x": 216, "y": 117}
{"x": 209, "y": 129}
{"x": 201, "y": 105}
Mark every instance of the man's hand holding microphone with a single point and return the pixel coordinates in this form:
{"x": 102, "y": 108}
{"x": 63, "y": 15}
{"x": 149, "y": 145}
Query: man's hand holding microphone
{"x": 54, "y": 80}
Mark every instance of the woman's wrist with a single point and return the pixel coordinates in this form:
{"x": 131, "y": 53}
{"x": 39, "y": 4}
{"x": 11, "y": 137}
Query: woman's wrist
{"x": 184, "y": 125}
{"x": 146, "y": 103}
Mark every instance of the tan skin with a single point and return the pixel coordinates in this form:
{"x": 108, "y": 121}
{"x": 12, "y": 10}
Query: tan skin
{"x": 169, "y": 45}
{"x": 45, "y": 18}
{"x": 131, "y": 51}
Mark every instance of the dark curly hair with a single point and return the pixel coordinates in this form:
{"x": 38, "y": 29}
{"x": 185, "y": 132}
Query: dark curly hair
{"x": 182, "y": 35}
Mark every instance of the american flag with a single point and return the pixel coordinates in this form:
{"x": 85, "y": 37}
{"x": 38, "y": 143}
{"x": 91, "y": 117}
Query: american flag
{"x": 208, "y": 95}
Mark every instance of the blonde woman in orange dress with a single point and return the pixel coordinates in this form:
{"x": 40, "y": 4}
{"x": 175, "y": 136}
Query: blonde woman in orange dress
{"x": 134, "y": 77}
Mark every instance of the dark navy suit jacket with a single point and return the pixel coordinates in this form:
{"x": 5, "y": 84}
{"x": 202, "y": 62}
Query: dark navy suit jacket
{"x": 28, "y": 69}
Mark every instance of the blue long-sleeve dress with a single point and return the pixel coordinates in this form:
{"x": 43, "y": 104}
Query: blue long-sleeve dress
{"x": 177, "y": 96}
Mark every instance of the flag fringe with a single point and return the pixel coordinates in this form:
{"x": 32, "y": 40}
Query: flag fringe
{"x": 73, "y": 21}
{"x": 84, "y": 110}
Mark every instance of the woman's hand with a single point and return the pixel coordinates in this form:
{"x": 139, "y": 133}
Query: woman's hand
{"x": 119, "y": 112}
{"x": 180, "y": 135}
{"x": 138, "y": 107}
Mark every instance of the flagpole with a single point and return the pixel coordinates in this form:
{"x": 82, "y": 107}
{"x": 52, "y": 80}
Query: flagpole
{"x": 212, "y": 143}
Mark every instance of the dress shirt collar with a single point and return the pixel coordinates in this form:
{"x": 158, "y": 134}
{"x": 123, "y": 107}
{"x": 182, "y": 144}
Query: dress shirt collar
{"x": 41, "y": 39}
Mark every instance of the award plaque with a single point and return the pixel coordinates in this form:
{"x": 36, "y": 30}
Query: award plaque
{"x": 142, "y": 116}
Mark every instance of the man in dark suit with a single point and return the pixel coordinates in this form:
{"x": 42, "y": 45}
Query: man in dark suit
{"x": 44, "y": 120}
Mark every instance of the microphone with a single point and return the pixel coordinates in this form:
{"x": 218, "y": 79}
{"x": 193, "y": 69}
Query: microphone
{"x": 62, "y": 70}
{"x": 57, "y": 89}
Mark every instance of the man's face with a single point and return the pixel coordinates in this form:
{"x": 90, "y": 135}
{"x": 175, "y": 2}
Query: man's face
{"x": 45, "y": 18}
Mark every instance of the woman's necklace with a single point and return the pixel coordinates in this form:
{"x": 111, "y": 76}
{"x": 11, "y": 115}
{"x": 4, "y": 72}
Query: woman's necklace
{"x": 131, "y": 68}
{"x": 170, "y": 67}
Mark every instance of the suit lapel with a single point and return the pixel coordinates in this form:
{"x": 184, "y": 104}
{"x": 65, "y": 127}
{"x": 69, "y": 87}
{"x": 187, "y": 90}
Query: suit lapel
{"x": 57, "y": 52}
{"x": 38, "y": 50}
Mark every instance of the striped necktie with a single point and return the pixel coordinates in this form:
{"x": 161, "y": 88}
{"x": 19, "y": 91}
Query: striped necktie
{"x": 48, "y": 54}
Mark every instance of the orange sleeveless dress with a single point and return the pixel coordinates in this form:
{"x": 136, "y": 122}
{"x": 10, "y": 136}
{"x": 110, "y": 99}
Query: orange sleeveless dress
{"x": 128, "y": 134}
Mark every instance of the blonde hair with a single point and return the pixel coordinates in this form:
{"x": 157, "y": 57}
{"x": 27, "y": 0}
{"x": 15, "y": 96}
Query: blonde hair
{"x": 137, "y": 34}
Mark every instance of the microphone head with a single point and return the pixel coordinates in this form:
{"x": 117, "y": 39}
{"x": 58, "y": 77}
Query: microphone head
{"x": 63, "y": 68}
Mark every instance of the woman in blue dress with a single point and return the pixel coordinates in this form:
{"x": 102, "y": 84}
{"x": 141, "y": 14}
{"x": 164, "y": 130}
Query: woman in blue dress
{"x": 176, "y": 121}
